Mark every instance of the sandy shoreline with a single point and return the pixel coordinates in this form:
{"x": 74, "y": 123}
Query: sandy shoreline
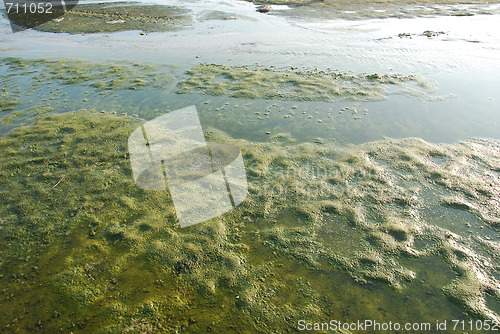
{"x": 363, "y": 10}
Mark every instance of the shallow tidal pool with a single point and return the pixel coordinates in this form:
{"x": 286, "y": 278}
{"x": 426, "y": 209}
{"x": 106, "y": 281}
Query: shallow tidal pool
{"x": 372, "y": 160}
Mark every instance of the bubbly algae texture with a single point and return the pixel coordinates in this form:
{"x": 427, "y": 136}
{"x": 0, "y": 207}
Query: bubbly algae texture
{"x": 106, "y": 18}
{"x": 324, "y": 232}
{"x": 293, "y": 84}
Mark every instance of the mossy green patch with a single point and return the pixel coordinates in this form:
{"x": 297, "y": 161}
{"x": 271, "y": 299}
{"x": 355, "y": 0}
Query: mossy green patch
{"x": 270, "y": 83}
{"x": 360, "y": 186}
{"x": 84, "y": 249}
{"x": 100, "y": 75}
{"x": 26, "y": 114}
{"x": 34, "y": 87}
{"x": 7, "y": 103}
{"x": 102, "y": 18}
{"x": 73, "y": 221}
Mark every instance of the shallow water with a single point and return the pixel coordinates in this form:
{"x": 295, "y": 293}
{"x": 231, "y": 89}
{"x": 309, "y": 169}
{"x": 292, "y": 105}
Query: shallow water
{"x": 351, "y": 225}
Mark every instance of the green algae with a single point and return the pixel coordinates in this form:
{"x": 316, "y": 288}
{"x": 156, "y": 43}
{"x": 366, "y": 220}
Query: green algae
{"x": 35, "y": 87}
{"x": 391, "y": 216}
{"x": 76, "y": 164}
{"x": 269, "y": 83}
{"x": 84, "y": 249}
{"x": 100, "y": 18}
{"x": 103, "y": 76}
{"x": 7, "y": 103}
{"x": 26, "y": 115}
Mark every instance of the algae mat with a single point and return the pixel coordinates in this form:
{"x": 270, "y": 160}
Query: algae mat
{"x": 102, "y": 18}
{"x": 299, "y": 85}
{"x": 102, "y": 76}
{"x": 84, "y": 250}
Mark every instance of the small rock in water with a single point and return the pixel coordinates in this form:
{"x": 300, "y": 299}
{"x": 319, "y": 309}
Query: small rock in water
{"x": 404, "y": 34}
{"x": 264, "y": 8}
{"x": 115, "y": 21}
{"x": 430, "y": 33}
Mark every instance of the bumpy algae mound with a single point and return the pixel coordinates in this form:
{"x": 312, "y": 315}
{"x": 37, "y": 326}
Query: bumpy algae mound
{"x": 292, "y": 84}
{"x": 101, "y": 18}
{"x": 388, "y": 190}
{"x": 77, "y": 234}
{"x": 83, "y": 249}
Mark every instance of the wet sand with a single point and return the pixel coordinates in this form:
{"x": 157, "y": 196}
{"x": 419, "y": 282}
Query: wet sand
{"x": 359, "y": 10}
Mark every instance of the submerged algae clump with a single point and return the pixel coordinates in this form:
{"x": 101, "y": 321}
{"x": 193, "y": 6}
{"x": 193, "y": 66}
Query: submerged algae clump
{"x": 270, "y": 83}
{"x": 7, "y": 103}
{"x": 102, "y": 76}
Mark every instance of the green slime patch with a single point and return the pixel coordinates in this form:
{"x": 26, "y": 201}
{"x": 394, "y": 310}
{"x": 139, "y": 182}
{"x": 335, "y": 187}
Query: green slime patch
{"x": 82, "y": 248}
{"x": 7, "y": 103}
{"x": 34, "y": 87}
{"x": 100, "y": 75}
{"x": 382, "y": 188}
{"x": 101, "y": 18}
{"x": 271, "y": 83}
{"x": 104, "y": 254}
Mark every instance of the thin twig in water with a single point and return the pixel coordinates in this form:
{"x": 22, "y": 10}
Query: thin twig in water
{"x": 55, "y": 185}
